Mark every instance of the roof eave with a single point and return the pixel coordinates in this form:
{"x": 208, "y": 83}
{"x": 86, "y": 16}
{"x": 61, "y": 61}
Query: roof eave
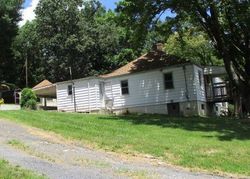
{"x": 76, "y": 80}
{"x": 44, "y": 87}
{"x": 171, "y": 66}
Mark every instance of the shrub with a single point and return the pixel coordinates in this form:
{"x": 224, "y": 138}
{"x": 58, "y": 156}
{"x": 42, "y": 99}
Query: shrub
{"x": 32, "y": 104}
{"x": 28, "y": 99}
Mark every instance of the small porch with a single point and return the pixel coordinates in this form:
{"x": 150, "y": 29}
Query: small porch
{"x": 217, "y": 88}
{"x": 46, "y": 92}
{"x": 218, "y": 92}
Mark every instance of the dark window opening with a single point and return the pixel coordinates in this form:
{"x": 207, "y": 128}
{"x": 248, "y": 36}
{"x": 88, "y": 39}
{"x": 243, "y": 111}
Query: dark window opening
{"x": 70, "y": 90}
{"x": 168, "y": 81}
{"x": 200, "y": 78}
{"x": 202, "y": 106}
{"x": 124, "y": 87}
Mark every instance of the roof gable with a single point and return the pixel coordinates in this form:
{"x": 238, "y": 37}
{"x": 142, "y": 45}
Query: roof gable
{"x": 43, "y": 84}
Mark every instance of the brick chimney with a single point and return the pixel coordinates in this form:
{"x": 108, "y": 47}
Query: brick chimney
{"x": 158, "y": 47}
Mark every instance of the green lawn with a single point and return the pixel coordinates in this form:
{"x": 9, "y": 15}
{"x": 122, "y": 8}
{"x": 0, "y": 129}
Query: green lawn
{"x": 205, "y": 143}
{"x": 9, "y": 172}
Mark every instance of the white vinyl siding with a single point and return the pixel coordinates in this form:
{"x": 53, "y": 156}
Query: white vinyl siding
{"x": 148, "y": 88}
{"x": 199, "y": 84}
{"x": 145, "y": 89}
{"x": 87, "y": 96}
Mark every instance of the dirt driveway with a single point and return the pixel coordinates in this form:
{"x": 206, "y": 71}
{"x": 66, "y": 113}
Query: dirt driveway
{"x": 55, "y": 157}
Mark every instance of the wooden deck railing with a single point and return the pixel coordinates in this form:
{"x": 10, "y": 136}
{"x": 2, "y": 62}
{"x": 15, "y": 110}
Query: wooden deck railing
{"x": 218, "y": 92}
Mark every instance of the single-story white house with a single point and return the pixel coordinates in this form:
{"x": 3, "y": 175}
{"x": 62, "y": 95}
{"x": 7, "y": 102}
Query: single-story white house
{"x": 154, "y": 83}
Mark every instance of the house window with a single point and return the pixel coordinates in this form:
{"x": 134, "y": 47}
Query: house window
{"x": 203, "y": 106}
{"x": 200, "y": 77}
{"x": 168, "y": 81}
{"x": 124, "y": 87}
{"x": 70, "y": 90}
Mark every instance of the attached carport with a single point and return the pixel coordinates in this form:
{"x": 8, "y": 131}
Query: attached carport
{"x": 46, "y": 91}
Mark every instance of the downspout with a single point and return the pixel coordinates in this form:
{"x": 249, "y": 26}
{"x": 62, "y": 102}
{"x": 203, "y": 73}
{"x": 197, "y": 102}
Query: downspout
{"x": 186, "y": 85}
{"x": 74, "y": 96}
{"x": 88, "y": 99}
{"x": 96, "y": 93}
{"x": 73, "y": 88}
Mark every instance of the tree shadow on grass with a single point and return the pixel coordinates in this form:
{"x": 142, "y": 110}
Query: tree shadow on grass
{"x": 227, "y": 128}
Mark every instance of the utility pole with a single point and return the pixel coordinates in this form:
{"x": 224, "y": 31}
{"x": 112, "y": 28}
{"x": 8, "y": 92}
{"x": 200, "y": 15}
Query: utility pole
{"x": 26, "y": 70}
{"x": 70, "y": 72}
{"x": 26, "y": 65}
{"x": 73, "y": 88}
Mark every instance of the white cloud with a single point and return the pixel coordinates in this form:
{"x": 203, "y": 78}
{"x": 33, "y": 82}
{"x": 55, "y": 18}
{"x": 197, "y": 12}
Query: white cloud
{"x": 28, "y": 13}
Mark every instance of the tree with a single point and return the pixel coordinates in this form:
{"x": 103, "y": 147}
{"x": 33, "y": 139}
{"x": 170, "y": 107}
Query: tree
{"x": 77, "y": 34}
{"x": 226, "y": 23}
{"x": 193, "y": 46}
{"x": 101, "y": 38}
{"x": 26, "y": 45}
{"x": 57, "y": 29}
{"x": 9, "y": 17}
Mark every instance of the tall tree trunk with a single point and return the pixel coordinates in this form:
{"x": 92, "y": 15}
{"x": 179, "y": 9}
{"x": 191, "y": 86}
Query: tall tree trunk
{"x": 238, "y": 106}
{"x": 245, "y": 90}
{"x": 237, "y": 88}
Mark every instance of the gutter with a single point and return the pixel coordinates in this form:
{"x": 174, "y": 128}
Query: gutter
{"x": 186, "y": 85}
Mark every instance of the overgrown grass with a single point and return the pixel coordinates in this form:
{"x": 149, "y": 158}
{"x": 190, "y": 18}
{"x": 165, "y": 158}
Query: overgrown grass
{"x": 25, "y": 148}
{"x": 211, "y": 144}
{"x": 9, "y": 172}
{"x": 18, "y": 144}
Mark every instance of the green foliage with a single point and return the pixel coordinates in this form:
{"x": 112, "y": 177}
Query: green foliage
{"x": 31, "y": 104}
{"x": 211, "y": 144}
{"x": 28, "y": 99}
{"x": 27, "y": 45}
{"x": 9, "y": 17}
{"x": 15, "y": 172}
{"x": 192, "y": 46}
{"x": 85, "y": 39}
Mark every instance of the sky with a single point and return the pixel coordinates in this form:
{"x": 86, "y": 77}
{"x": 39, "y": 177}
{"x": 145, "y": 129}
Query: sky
{"x": 30, "y": 5}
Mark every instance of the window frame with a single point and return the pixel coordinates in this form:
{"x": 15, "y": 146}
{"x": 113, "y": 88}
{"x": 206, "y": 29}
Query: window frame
{"x": 200, "y": 78}
{"x": 122, "y": 87}
{"x": 172, "y": 81}
{"x": 70, "y": 90}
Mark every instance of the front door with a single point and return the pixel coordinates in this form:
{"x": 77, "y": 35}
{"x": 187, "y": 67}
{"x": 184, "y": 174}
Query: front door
{"x": 174, "y": 109}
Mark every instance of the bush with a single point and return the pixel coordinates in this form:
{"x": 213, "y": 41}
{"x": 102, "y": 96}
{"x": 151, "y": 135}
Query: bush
{"x": 32, "y": 104}
{"x": 28, "y": 99}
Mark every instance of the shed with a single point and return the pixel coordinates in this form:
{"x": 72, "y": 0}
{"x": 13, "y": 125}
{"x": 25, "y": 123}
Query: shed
{"x": 46, "y": 91}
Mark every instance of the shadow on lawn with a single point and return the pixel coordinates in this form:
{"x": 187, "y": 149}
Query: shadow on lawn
{"x": 228, "y": 129}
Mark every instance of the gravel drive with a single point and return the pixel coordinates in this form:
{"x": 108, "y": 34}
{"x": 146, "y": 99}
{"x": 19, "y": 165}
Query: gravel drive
{"x": 56, "y": 157}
